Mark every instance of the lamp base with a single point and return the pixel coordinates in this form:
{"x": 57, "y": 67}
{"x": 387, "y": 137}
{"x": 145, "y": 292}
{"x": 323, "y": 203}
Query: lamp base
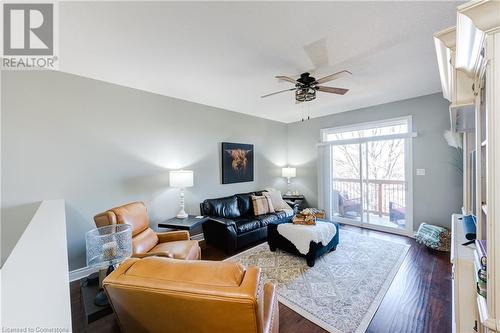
{"x": 182, "y": 214}
{"x": 101, "y": 299}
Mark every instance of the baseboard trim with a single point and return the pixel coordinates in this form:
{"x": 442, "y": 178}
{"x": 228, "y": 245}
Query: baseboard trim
{"x": 401, "y": 232}
{"x": 80, "y": 273}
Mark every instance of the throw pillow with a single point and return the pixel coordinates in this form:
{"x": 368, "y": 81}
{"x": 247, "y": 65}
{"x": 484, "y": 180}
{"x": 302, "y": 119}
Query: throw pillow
{"x": 278, "y": 202}
{"x": 262, "y": 204}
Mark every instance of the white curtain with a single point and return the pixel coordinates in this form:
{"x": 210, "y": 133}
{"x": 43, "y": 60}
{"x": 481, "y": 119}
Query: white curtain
{"x": 325, "y": 179}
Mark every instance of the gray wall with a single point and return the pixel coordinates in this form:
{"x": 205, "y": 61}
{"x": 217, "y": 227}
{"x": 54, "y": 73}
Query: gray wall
{"x": 98, "y": 145}
{"x": 436, "y": 195}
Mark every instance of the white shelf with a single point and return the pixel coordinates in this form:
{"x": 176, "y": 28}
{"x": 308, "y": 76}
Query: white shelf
{"x": 476, "y": 56}
{"x": 484, "y": 316}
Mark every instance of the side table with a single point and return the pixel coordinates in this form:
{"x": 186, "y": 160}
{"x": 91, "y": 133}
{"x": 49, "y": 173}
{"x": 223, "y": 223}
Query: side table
{"x": 190, "y": 223}
{"x": 89, "y": 287}
{"x": 295, "y": 199}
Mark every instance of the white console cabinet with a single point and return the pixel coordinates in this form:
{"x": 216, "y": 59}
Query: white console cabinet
{"x": 469, "y": 64}
{"x": 464, "y": 296}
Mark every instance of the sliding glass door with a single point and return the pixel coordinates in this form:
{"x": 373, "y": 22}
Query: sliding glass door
{"x": 371, "y": 174}
{"x": 347, "y": 191}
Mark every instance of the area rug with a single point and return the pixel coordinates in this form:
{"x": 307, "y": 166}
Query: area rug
{"x": 343, "y": 290}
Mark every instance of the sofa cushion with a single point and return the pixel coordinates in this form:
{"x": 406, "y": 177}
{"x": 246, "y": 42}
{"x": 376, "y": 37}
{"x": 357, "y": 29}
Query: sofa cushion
{"x": 266, "y": 219}
{"x": 244, "y": 224}
{"x": 224, "y": 207}
{"x": 144, "y": 242}
{"x": 245, "y": 203}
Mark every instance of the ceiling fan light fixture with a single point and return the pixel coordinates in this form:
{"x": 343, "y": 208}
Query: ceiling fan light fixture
{"x": 305, "y": 86}
{"x": 305, "y": 94}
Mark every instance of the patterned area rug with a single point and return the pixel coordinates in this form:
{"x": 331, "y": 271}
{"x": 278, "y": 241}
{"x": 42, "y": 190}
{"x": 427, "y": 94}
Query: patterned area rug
{"x": 343, "y": 290}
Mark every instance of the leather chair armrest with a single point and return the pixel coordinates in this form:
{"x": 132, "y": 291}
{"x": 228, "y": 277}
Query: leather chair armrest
{"x": 271, "y": 315}
{"x": 250, "y": 283}
{"x": 153, "y": 254}
{"x": 231, "y": 234}
{"x": 172, "y": 236}
{"x": 222, "y": 220}
{"x": 222, "y": 232}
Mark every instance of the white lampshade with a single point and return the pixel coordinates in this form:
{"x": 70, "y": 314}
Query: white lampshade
{"x": 288, "y": 172}
{"x": 181, "y": 178}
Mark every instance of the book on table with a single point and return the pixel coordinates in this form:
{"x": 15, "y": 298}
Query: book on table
{"x": 480, "y": 269}
{"x": 482, "y": 252}
{"x": 480, "y": 261}
{"x": 481, "y": 288}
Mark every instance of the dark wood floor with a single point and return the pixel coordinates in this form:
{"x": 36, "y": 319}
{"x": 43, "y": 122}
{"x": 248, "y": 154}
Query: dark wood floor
{"x": 419, "y": 299}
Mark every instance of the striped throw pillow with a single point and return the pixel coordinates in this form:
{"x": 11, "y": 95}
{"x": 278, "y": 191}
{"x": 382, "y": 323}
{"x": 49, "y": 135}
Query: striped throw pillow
{"x": 262, "y": 204}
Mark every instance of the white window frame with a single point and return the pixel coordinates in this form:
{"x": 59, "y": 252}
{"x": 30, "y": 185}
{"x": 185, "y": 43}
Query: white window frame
{"x": 408, "y": 231}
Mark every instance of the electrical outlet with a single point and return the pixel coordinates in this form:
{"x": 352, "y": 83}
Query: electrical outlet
{"x": 420, "y": 172}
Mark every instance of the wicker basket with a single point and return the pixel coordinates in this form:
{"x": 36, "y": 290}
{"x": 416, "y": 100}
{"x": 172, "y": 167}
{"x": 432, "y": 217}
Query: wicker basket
{"x": 304, "y": 219}
{"x": 320, "y": 214}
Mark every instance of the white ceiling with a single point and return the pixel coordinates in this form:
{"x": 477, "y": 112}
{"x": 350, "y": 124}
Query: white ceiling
{"x": 226, "y": 54}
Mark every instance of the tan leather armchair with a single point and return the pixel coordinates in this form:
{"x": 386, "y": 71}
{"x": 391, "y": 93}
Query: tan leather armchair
{"x": 158, "y": 294}
{"x": 146, "y": 242}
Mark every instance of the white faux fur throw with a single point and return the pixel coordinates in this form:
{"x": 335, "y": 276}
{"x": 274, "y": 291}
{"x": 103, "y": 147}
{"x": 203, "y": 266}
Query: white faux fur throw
{"x": 301, "y": 235}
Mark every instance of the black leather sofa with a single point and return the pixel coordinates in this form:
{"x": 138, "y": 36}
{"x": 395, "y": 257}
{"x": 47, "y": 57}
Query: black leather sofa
{"x": 232, "y": 224}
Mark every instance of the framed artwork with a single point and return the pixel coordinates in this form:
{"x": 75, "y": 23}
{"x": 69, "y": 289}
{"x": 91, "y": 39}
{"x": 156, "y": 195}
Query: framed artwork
{"x": 237, "y": 163}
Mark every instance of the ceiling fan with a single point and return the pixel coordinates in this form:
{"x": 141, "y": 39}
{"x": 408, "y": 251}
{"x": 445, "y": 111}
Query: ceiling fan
{"x": 306, "y": 86}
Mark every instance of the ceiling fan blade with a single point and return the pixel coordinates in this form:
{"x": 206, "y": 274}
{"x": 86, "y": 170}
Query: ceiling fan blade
{"x": 286, "y": 78}
{"x": 317, "y": 52}
{"x": 334, "y": 76}
{"x": 278, "y": 92}
{"x": 338, "y": 91}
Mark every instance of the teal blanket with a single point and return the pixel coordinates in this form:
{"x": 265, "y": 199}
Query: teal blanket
{"x": 433, "y": 236}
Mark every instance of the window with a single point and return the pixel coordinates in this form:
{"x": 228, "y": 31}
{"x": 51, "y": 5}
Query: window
{"x": 366, "y": 131}
{"x": 366, "y": 173}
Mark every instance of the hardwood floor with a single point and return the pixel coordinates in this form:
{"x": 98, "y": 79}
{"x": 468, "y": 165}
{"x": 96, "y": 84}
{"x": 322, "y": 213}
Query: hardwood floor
{"x": 419, "y": 299}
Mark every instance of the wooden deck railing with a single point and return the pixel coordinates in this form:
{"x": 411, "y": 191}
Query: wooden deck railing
{"x": 377, "y": 193}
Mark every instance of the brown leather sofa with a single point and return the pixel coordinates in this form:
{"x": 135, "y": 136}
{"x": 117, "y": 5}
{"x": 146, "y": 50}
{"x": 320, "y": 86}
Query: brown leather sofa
{"x": 146, "y": 242}
{"x": 158, "y": 294}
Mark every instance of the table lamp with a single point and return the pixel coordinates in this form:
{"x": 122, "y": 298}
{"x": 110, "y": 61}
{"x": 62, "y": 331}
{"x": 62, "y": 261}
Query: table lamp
{"x": 106, "y": 247}
{"x": 181, "y": 179}
{"x": 288, "y": 173}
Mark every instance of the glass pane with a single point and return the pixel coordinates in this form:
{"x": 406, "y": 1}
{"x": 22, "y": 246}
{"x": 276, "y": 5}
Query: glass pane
{"x": 346, "y": 194}
{"x": 385, "y": 202}
{"x": 396, "y": 128}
